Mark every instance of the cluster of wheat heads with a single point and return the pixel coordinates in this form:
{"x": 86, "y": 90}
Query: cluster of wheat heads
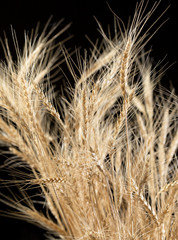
{"x": 104, "y": 162}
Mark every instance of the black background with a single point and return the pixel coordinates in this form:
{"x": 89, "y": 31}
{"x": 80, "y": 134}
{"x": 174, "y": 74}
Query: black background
{"x": 24, "y": 15}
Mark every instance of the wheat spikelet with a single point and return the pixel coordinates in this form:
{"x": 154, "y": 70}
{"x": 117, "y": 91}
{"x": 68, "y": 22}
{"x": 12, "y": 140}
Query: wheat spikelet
{"x": 104, "y": 163}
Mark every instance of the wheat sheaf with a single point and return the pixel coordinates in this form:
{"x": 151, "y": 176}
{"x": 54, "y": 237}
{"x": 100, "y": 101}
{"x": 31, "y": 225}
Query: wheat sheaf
{"x": 102, "y": 162}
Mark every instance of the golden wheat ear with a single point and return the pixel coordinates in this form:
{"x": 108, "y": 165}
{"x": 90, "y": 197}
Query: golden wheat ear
{"x": 102, "y": 166}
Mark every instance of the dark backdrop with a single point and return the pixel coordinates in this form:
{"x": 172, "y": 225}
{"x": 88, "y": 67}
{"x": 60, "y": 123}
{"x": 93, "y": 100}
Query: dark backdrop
{"x": 24, "y": 15}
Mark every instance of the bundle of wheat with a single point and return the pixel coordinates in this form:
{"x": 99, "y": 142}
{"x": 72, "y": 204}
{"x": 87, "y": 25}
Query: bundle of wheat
{"x": 104, "y": 162}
